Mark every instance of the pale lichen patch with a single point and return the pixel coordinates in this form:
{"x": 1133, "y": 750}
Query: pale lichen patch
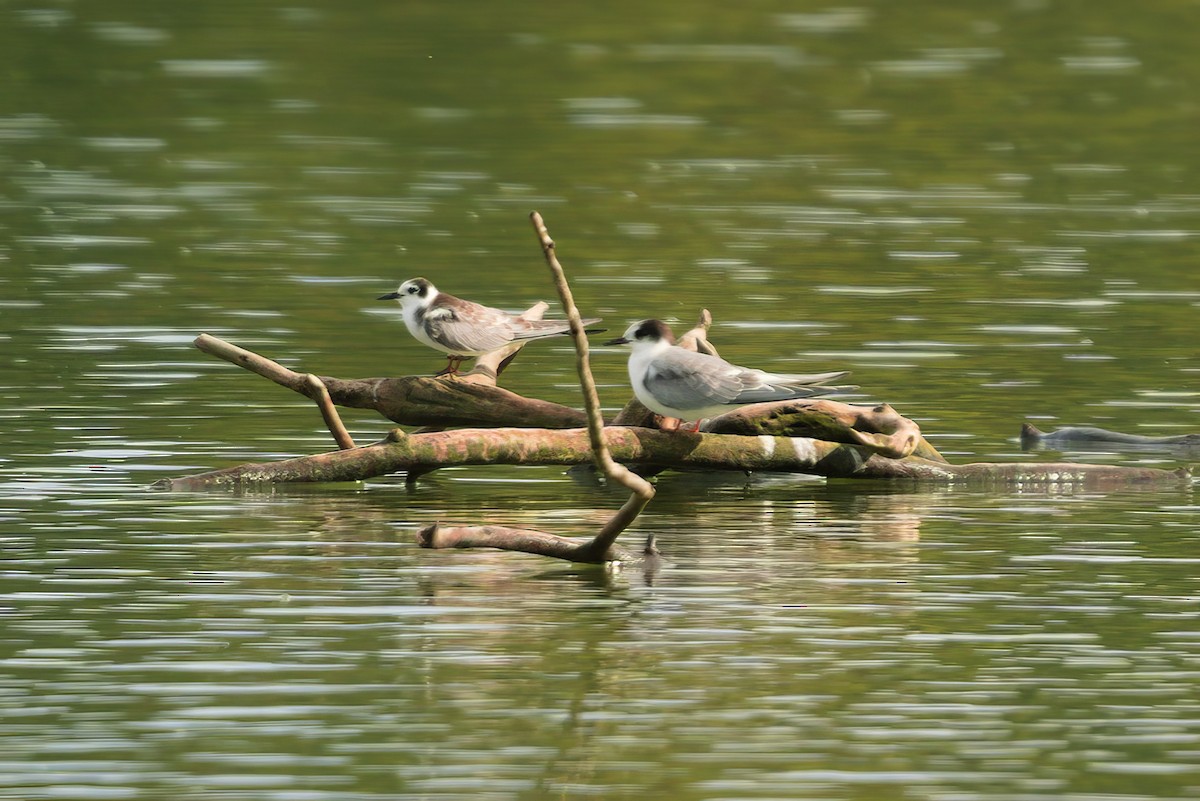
{"x": 768, "y": 445}
{"x": 805, "y": 451}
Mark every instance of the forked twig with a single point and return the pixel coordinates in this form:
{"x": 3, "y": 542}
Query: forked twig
{"x": 333, "y": 420}
{"x": 697, "y": 338}
{"x": 641, "y": 491}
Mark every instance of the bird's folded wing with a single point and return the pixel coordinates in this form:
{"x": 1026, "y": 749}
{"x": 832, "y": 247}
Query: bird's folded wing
{"x": 763, "y": 393}
{"x": 487, "y": 330}
{"x": 532, "y": 329}
{"x": 810, "y": 378}
{"x": 685, "y": 380}
{"x": 760, "y": 387}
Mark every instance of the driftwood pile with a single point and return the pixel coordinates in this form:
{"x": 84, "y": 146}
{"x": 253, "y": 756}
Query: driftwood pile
{"x": 470, "y": 420}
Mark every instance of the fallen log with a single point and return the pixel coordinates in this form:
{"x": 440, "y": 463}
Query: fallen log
{"x": 521, "y": 446}
{"x": 475, "y": 401}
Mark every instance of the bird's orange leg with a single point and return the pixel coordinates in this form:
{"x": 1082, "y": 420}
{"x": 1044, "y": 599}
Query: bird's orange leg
{"x": 451, "y": 369}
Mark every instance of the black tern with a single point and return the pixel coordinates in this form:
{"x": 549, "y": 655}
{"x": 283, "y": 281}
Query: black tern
{"x": 462, "y": 329}
{"x": 675, "y": 382}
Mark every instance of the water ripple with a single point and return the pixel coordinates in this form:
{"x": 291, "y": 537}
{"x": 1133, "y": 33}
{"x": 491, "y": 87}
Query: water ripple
{"x": 216, "y": 68}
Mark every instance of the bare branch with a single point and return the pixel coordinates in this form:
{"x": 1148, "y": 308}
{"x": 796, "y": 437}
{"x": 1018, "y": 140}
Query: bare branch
{"x": 641, "y": 490}
{"x": 515, "y": 539}
{"x": 471, "y": 400}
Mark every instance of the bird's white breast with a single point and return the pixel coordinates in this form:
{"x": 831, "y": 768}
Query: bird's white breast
{"x": 414, "y": 321}
{"x": 641, "y": 360}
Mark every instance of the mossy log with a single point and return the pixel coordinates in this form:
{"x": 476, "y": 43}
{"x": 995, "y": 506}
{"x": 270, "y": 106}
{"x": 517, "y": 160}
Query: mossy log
{"x": 817, "y": 436}
{"x": 475, "y": 401}
{"x": 522, "y": 446}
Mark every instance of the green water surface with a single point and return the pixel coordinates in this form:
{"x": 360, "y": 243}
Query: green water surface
{"x": 988, "y": 212}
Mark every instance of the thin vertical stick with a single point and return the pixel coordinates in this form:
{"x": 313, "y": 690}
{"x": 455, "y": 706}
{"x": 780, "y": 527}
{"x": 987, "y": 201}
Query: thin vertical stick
{"x": 642, "y": 491}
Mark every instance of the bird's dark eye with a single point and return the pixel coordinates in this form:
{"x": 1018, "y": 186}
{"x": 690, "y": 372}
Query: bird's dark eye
{"x": 413, "y": 290}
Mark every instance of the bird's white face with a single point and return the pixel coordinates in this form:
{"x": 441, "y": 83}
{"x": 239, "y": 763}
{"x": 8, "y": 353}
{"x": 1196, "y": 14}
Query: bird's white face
{"x": 415, "y": 293}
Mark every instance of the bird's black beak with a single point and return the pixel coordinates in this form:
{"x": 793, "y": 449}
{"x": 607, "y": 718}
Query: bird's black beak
{"x": 617, "y": 341}
{"x": 389, "y": 296}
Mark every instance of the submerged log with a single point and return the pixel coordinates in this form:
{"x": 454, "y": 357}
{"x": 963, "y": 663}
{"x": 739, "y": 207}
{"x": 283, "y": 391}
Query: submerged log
{"x": 1089, "y": 438}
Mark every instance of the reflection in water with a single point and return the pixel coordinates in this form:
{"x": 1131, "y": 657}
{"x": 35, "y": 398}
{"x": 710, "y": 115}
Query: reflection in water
{"x": 799, "y": 628}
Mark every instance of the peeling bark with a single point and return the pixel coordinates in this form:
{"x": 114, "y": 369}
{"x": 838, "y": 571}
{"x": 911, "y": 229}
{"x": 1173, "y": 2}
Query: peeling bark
{"x": 880, "y": 427}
